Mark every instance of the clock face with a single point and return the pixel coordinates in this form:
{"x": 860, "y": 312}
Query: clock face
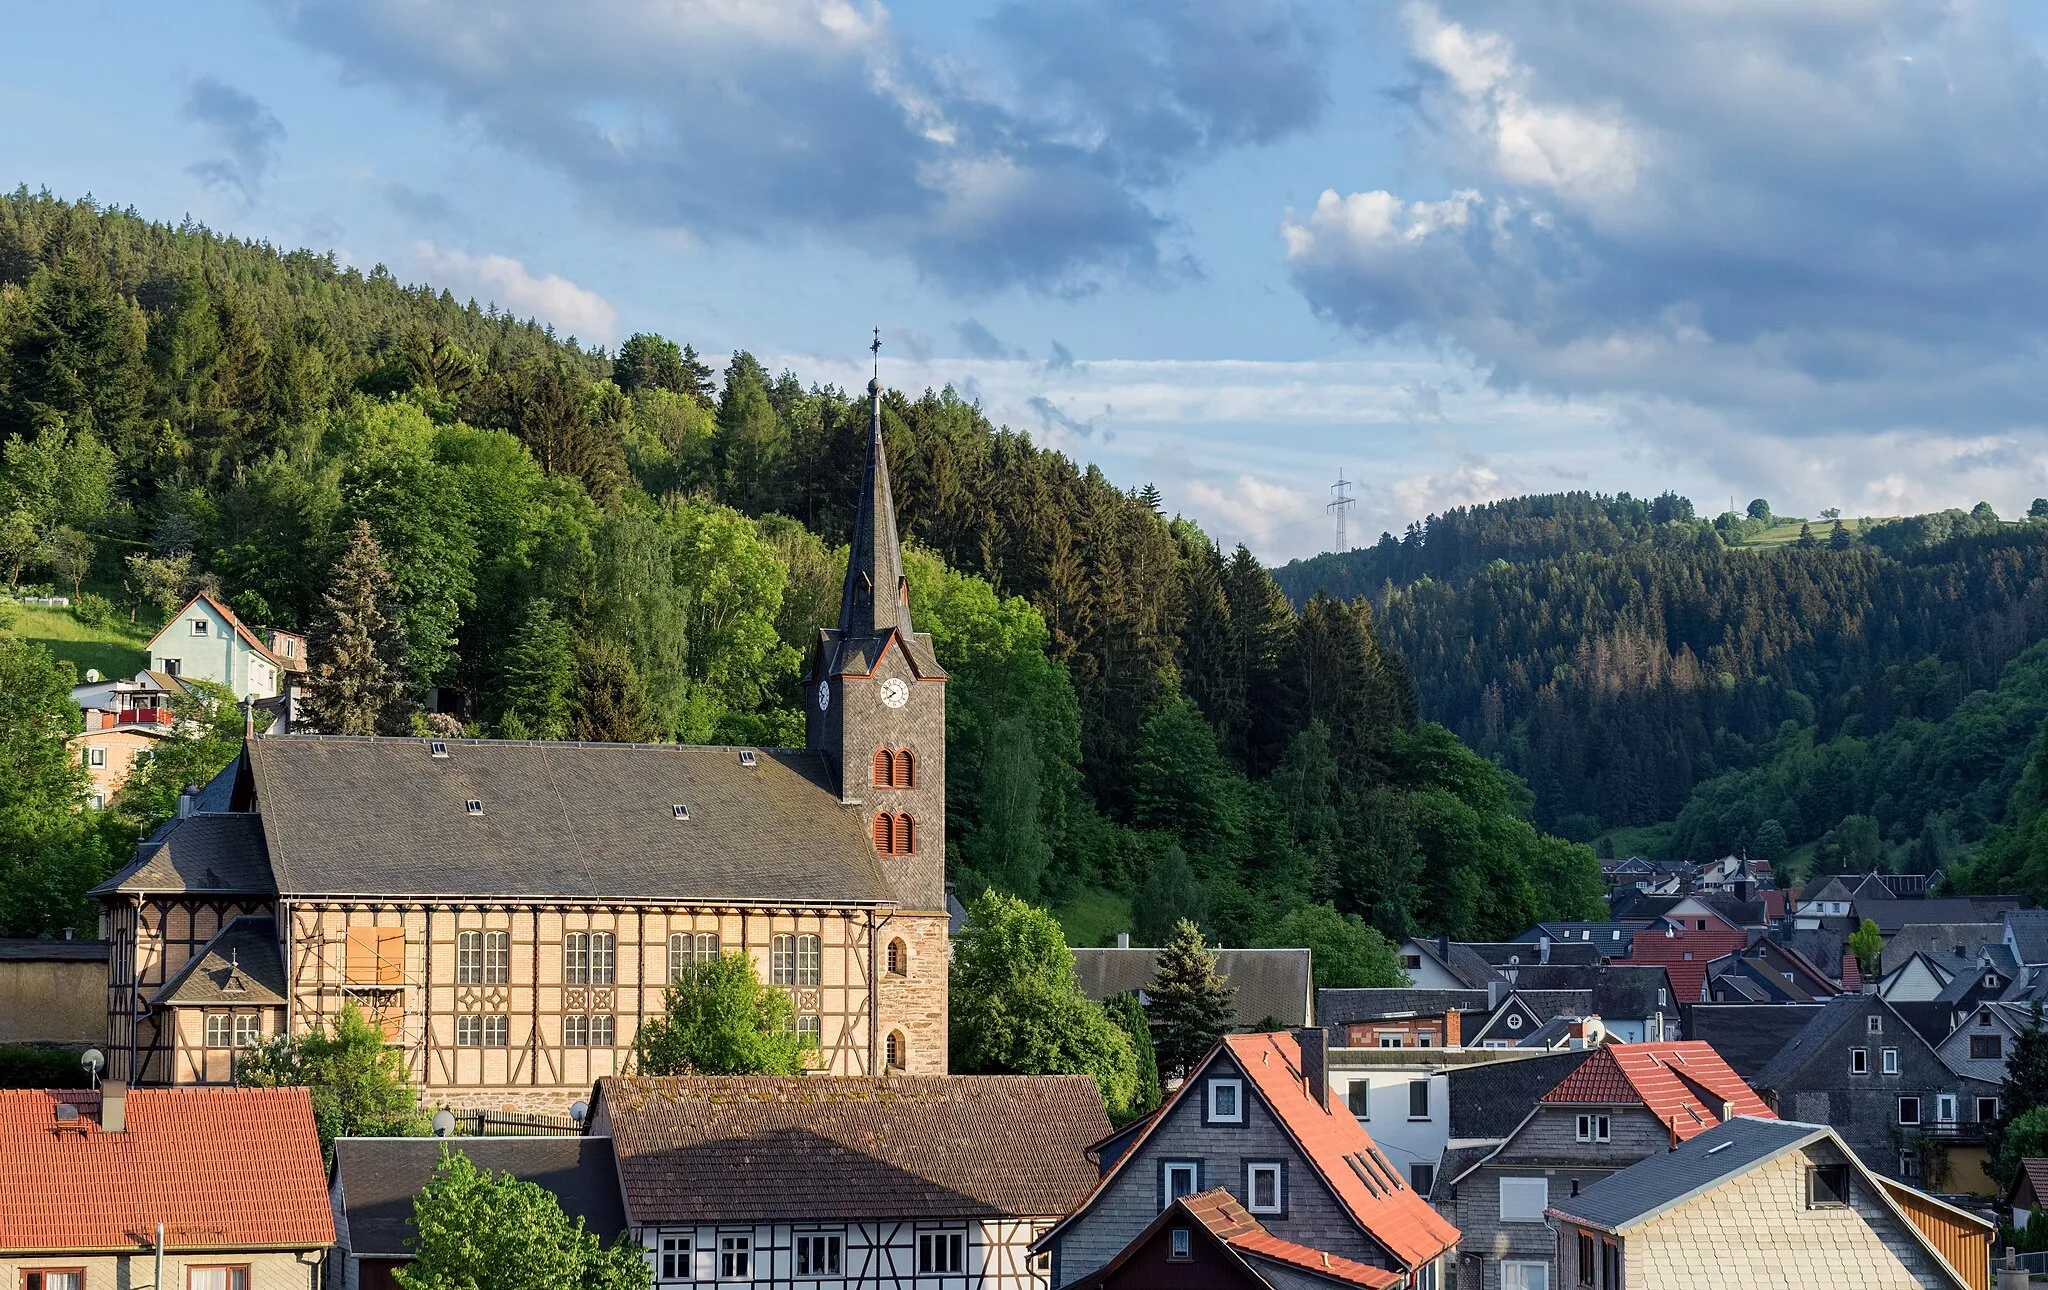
{"x": 895, "y": 692}
{"x": 824, "y": 695}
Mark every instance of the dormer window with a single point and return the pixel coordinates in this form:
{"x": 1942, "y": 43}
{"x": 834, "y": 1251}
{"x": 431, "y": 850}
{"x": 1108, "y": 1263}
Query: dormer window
{"x": 1226, "y": 1101}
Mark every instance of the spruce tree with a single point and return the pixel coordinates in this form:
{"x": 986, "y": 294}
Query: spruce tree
{"x": 1190, "y": 1003}
{"x": 539, "y": 677}
{"x": 357, "y": 649}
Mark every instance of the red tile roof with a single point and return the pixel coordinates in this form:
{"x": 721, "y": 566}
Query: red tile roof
{"x": 1688, "y": 975}
{"x": 1218, "y": 1211}
{"x": 1683, "y": 1083}
{"x": 223, "y": 1169}
{"x": 1342, "y": 1151}
{"x": 1852, "y": 972}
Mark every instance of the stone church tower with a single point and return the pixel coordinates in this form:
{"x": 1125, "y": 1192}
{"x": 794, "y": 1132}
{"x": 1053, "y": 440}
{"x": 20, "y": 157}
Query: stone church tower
{"x": 875, "y": 707}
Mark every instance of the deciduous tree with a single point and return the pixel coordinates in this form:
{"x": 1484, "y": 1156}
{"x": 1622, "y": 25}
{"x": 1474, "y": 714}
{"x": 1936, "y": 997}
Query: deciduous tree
{"x": 717, "y": 1018}
{"x": 478, "y": 1230}
{"x": 359, "y": 1082}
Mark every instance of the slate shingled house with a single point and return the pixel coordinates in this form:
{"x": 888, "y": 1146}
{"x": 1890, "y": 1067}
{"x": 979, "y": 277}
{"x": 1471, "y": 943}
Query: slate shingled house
{"x": 1765, "y": 1203}
{"x": 1276, "y": 984}
{"x": 231, "y": 1174}
{"x": 1256, "y": 1118}
{"x": 1212, "y": 1241}
{"x": 509, "y": 911}
{"x": 373, "y": 1182}
{"x": 864, "y": 1184}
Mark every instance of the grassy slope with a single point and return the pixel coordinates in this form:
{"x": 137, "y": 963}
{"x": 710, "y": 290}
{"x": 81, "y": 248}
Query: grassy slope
{"x": 1094, "y": 917}
{"x": 116, "y": 649}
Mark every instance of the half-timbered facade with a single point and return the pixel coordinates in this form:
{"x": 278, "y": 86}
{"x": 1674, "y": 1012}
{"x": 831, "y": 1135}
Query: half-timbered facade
{"x": 511, "y": 911}
{"x": 849, "y": 1184}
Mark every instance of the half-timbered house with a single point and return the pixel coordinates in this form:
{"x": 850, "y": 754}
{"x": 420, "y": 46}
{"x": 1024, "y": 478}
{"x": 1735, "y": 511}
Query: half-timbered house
{"x": 907, "y": 1183}
{"x": 510, "y": 911}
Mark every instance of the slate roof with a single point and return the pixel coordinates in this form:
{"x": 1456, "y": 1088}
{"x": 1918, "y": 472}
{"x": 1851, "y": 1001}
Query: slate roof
{"x": 363, "y": 816}
{"x": 1612, "y": 938}
{"x": 1552, "y": 976}
{"x": 1834, "y": 889}
{"x": 1821, "y": 946}
{"x": 376, "y": 1179}
{"x": 1662, "y": 1181}
{"x": 757, "y": 1148}
{"x": 1812, "y": 1038}
{"x": 201, "y": 853}
{"x": 241, "y": 965}
{"x": 1684, "y": 1084}
{"x": 2029, "y": 928}
{"x": 1502, "y": 954}
{"x": 29, "y": 949}
{"x": 1487, "y": 1101}
{"x": 223, "y": 1169}
{"x": 1749, "y": 1035}
{"x": 1336, "y": 1007}
{"x": 1944, "y": 940}
{"x": 1893, "y": 916}
{"x": 1274, "y": 983}
{"x": 1460, "y": 960}
{"x": 1629, "y": 990}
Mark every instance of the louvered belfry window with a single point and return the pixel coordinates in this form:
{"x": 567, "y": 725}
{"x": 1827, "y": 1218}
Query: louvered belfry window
{"x": 905, "y": 776}
{"x": 895, "y": 835}
{"x": 894, "y": 768}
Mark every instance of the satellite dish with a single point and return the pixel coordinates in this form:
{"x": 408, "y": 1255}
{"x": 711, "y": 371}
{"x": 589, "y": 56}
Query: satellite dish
{"x": 92, "y": 674}
{"x": 579, "y": 1111}
{"x": 444, "y": 1122}
{"x": 94, "y": 1062}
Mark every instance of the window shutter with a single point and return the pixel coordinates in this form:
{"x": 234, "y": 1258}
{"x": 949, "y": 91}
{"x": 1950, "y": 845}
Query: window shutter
{"x": 885, "y": 834}
{"x": 390, "y": 955}
{"x": 884, "y": 772}
{"x": 906, "y": 834}
{"x": 906, "y": 776}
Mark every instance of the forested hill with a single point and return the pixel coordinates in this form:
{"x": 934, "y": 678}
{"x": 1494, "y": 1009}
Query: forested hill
{"x": 1621, "y": 653}
{"x": 555, "y": 541}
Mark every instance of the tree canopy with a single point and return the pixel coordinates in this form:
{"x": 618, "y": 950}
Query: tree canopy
{"x": 474, "y": 1229}
{"x": 717, "y": 1018}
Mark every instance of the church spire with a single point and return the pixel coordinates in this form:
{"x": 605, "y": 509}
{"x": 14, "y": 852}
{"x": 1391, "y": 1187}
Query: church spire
{"x": 875, "y": 598}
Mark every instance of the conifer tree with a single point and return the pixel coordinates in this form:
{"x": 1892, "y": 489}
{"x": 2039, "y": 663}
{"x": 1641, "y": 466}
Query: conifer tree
{"x": 357, "y": 648}
{"x": 1129, "y": 1015}
{"x": 1190, "y": 1004}
{"x": 611, "y": 705}
{"x": 539, "y": 677}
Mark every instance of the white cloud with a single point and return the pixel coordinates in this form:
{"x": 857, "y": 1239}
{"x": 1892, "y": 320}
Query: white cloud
{"x": 573, "y": 310}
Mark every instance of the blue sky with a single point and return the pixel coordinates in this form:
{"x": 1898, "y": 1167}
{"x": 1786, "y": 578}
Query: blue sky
{"x": 1458, "y": 250}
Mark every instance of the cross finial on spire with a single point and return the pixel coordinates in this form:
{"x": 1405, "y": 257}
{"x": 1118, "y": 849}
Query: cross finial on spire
{"x": 877, "y": 348}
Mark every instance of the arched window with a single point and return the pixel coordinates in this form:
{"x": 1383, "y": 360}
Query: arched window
{"x": 576, "y": 958}
{"x": 601, "y": 958}
{"x": 905, "y": 770}
{"x": 893, "y": 1050}
{"x": 686, "y": 950}
{"x": 782, "y": 960}
{"x": 898, "y": 959}
{"x": 885, "y": 768}
{"x": 895, "y": 835}
{"x": 497, "y": 958}
{"x": 809, "y": 961}
{"x": 469, "y": 958}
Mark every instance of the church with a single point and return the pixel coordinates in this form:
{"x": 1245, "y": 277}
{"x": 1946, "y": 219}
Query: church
{"x": 509, "y": 911}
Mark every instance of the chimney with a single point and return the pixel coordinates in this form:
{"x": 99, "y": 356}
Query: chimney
{"x": 1123, "y": 940}
{"x": 114, "y": 1106}
{"x": 1454, "y": 1027}
{"x": 185, "y": 796}
{"x": 1727, "y": 1112}
{"x": 1493, "y": 989}
{"x": 68, "y": 932}
{"x": 1543, "y": 949}
{"x": 1443, "y": 947}
{"x": 1315, "y": 1063}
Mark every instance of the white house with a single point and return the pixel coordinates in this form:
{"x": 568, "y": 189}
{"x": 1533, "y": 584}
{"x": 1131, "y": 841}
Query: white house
{"x": 205, "y": 640}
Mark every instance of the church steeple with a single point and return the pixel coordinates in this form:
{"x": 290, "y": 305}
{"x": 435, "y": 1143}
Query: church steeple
{"x": 875, "y": 598}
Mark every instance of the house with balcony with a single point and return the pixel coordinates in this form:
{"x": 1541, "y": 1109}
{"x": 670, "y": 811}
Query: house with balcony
{"x": 123, "y": 722}
{"x": 1860, "y": 1067}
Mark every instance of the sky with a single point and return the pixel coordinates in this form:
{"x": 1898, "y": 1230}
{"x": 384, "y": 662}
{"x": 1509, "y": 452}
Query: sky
{"x": 1451, "y": 250}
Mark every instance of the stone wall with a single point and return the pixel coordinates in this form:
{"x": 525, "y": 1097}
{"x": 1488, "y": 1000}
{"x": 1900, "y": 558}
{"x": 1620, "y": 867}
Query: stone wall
{"x": 913, "y": 1002}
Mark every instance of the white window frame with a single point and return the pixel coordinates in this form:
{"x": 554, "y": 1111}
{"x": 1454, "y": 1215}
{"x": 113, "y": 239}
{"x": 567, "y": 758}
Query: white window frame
{"x": 1944, "y": 1108}
{"x": 95, "y": 757}
{"x": 497, "y": 1031}
{"x": 735, "y": 1257}
{"x": 1217, "y": 1086}
{"x": 497, "y": 958}
{"x": 1524, "y": 1274}
{"x": 1390, "y": 1041}
{"x": 782, "y": 959}
{"x": 201, "y": 627}
{"x": 603, "y": 958}
{"x": 1918, "y": 1109}
{"x": 809, "y": 958}
{"x": 819, "y": 1254}
{"x": 1519, "y": 1188}
{"x": 1891, "y": 1061}
{"x": 942, "y": 1253}
{"x": 469, "y": 1030}
{"x": 469, "y": 957}
{"x": 1873, "y": 1024}
{"x": 1595, "y": 1128}
{"x": 1180, "y": 1245}
{"x": 1167, "y": 1169}
{"x": 1253, "y": 1171}
{"x": 1423, "y": 1084}
{"x": 248, "y": 1030}
{"x": 678, "y": 1255}
{"x": 1859, "y": 1061}
{"x": 220, "y": 1030}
